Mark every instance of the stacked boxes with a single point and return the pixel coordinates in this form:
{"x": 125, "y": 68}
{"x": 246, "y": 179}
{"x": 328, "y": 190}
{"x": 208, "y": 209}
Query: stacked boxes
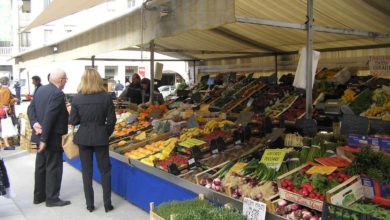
{"x": 25, "y": 133}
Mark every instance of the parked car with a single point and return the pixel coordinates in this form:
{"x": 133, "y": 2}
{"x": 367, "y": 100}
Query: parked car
{"x": 166, "y": 90}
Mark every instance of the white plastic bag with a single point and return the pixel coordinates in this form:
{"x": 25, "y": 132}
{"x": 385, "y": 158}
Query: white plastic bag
{"x": 7, "y": 128}
{"x": 300, "y": 74}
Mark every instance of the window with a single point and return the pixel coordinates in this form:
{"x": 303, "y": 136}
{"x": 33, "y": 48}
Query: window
{"x": 90, "y": 67}
{"x": 110, "y": 72}
{"x": 111, "y": 5}
{"x": 46, "y": 3}
{"x": 130, "y": 3}
{"x": 47, "y": 34}
{"x": 25, "y": 39}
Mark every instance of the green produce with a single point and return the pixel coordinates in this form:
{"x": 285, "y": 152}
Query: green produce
{"x": 259, "y": 171}
{"x": 196, "y": 210}
{"x": 370, "y": 163}
{"x": 221, "y": 173}
{"x": 362, "y": 102}
{"x": 370, "y": 209}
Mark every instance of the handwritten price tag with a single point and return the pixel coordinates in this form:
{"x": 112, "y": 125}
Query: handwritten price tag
{"x": 254, "y": 210}
{"x": 273, "y": 158}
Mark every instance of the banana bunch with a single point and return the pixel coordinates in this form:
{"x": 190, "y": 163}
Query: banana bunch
{"x": 211, "y": 125}
{"x": 192, "y": 132}
{"x": 169, "y": 144}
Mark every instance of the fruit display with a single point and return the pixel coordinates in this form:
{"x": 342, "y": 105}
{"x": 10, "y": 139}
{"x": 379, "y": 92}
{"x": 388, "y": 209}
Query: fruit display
{"x": 296, "y": 110}
{"x": 123, "y": 129}
{"x": 181, "y": 162}
{"x": 349, "y": 95}
{"x": 146, "y": 113}
{"x": 381, "y": 106}
{"x": 259, "y": 171}
{"x": 166, "y": 147}
{"x": 362, "y": 102}
{"x": 277, "y": 109}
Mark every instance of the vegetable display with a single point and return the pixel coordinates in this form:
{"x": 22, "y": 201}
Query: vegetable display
{"x": 196, "y": 210}
{"x": 370, "y": 163}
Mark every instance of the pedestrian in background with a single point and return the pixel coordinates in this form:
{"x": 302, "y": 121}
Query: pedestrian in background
{"x": 6, "y": 107}
{"x": 49, "y": 119}
{"x": 36, "y": 81}
{"x": 93, "y": 109}
{"x": 17, "y": 91}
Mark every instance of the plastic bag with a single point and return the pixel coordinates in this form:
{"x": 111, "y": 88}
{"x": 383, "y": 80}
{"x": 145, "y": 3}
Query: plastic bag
{"x": 300, "y": 74}
{"x": 7, "y": 128}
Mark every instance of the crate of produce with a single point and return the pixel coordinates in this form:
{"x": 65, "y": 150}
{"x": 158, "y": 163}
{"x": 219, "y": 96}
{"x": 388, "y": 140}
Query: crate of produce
{"x": 331, "y": 212}
{"x": 193, "y": 209}
{"x": 26, "y": 144}
{"x": 312, "y": 190}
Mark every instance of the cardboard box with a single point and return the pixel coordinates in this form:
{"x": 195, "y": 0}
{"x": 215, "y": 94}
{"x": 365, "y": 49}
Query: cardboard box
{"x": 377, "y": 142}
{"x": 373, "y": 188}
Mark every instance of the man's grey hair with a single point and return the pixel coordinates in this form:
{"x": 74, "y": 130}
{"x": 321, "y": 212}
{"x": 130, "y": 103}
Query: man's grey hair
{"x": 4, "y": 80}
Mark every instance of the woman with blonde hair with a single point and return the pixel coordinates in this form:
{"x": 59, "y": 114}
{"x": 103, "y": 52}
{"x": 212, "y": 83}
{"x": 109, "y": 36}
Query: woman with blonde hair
{"x": 93, "y": 109}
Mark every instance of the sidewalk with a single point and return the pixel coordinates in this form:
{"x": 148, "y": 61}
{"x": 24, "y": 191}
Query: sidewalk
{"x": 20, "y": 166}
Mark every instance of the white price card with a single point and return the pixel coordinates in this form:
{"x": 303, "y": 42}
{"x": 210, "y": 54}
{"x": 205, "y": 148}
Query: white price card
{"x": 254, "y": 210}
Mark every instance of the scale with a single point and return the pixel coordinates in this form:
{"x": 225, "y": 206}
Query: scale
{"x": 333, "y": 107}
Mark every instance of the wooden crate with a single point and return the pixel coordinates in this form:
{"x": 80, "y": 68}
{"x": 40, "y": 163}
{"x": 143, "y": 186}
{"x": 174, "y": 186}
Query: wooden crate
{"x": 26, "y": 144}
{"x": 334, "y": 196}
{"x": 155, "y": 216}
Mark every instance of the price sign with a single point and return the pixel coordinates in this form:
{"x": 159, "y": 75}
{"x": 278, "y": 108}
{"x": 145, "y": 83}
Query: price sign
{"x": 321, "y": 170}
{"x": 196, "y": 153}
{"x": 172, "y": 168}
{"x": 214, "y": 146}
{"x": 237, "y": 168}
{"x": 273, "y": 158}
{"x": 254, "y": 210}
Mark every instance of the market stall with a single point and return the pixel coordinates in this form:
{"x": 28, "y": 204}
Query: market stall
{"x": 223, "y": 141}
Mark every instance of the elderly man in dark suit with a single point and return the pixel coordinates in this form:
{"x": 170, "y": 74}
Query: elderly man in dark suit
{"x": 49, "y": 119}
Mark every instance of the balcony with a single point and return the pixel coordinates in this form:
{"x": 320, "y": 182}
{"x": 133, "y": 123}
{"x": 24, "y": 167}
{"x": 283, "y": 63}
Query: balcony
{"x": 5, "y": 51}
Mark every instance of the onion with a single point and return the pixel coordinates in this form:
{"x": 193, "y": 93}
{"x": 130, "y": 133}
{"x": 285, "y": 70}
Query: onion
{"x": 218, "y": 188}
{"x": 203, "y": 182}
{"x": 294, "y": 207}
{"x": 314, "y": 218}
{"x": 282, "y": 203}
{"x": 259, "y": 197}
{"x": 208, "y": 186}
{"x": 306, "y": 215}
{"x": 209, "y": 180}
{"x": 217, "y": 182}
{"x": 213, "y": 186}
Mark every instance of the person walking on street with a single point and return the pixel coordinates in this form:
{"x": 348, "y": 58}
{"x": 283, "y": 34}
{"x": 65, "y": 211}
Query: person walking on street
{"x": 49, "y": 119}
{"x": 6, "y": 106}
{"x": 92, "y": 108}
{"x": 36, "y": 80}
{"x": 17, "y": 91}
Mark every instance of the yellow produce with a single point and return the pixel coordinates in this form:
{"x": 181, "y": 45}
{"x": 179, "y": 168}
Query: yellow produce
{"x": 349, "y": 96}
{"x": 141, "y": 136}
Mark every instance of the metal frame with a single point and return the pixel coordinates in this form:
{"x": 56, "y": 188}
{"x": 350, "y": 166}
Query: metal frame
{"x": 284, "y": 24}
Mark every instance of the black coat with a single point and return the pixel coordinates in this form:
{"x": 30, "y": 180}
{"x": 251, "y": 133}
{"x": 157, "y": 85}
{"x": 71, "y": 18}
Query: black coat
{"x": 95, "y": 113}
{"x": 48, "y": 108}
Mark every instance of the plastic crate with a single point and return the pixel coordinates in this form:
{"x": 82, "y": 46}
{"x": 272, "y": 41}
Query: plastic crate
{"x": 333, "y": 212}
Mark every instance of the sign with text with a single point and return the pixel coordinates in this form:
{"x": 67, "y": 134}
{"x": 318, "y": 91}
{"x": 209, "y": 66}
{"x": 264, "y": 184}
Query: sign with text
{"x": 379, "y": 65}
{"x": 141, "y": 71}
{"x": 254, "y": 210}
{"x": 273, "y": 158}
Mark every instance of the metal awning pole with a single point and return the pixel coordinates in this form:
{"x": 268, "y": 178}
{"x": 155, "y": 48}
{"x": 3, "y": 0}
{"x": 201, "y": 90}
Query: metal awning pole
{"x": 309, "y": 60}
{"x": 151, "y": 70}
{"x": 93, "y": 61}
